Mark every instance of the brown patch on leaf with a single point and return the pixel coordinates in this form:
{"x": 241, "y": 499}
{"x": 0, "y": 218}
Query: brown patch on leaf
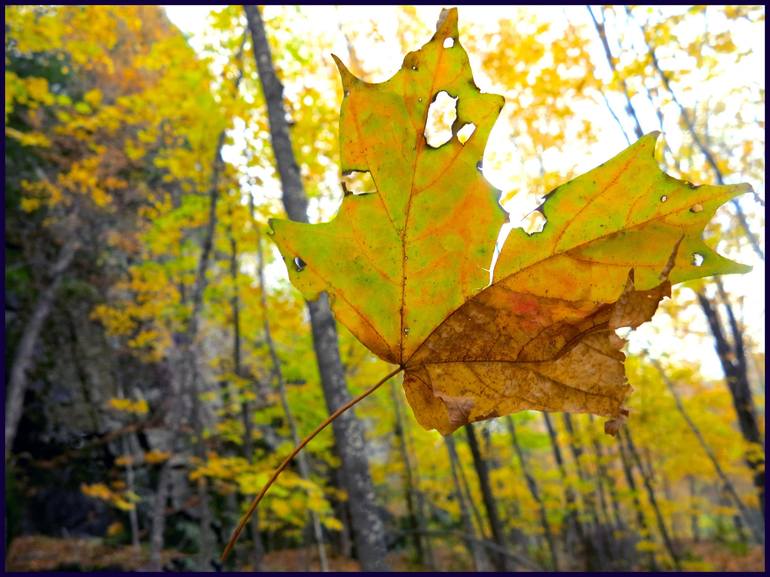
{"x": 505, "y": 351}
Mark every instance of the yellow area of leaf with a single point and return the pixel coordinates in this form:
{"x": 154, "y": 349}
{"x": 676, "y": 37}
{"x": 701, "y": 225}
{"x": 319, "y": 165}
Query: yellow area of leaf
{"x": 400, "y": 259}
{"x": 406, "y": 266}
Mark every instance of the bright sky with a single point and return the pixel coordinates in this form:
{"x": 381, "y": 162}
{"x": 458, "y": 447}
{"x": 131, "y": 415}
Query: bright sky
{"x": 656, "y": 336}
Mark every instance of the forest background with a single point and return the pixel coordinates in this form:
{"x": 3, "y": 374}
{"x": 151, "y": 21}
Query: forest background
{"x": 159, "y": 364}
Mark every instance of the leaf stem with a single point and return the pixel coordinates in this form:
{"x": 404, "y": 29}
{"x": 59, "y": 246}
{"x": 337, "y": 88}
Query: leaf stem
{"x": 253, "y": 507}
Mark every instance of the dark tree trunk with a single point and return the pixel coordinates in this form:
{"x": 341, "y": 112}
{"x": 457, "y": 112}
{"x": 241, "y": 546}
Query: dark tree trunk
{"x": 606, "y": 479}
{"x": 415, "y": 527}
{"x": 499, "y": 560}
{"x": 597, "y": 542}
{"x": 368, "y": 528}
{"x": 644, "y": 529}
{"x": 257, "y": 550}
{"x": 158, "y": 527}
{"x": 726, "y": 482}
{"x": 648, "y": 485}
{"x": 694, "y": 513}
{"x": 732, "y": 356}
{"x": 574, "y": 531}
{"x": 471, "y": 541}
{"x": 24, "y": 356}
{"x": 535, "y": 492}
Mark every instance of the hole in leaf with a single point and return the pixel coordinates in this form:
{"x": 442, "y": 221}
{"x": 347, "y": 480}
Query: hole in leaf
{"x": 697, "y": 259}
{"x": 357, "y": 182}
{"x": 623, "y": 332}
{"x": 464, "y": 134}
{"x": 663, "y": 198}
{"x": 299, "y": 264}
{"x": 534, "y": 222}
{"x": 449, "y": 42}
{"x": 696, "y": 208}
{"x": 441, "y": 115}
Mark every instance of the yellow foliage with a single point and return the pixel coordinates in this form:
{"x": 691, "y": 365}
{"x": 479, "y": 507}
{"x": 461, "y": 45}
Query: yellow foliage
{"x": 117, "y": 322}
{"x": 139, "y": 407}
{"x": 104, "y": 493}
{"x": 332, "y": 523}
{"x": 124, "y": 460}
{"x": 115, "y": 529}
{"x": 93, "y": 97}
{"x": 143, "y": 339}
{"x": 28, "y": 138}
{"x": 30, "y": 204}
{"x": 155, "y": 456}
{"x": 97, "y": 491}
{"x": 645, "y": 546}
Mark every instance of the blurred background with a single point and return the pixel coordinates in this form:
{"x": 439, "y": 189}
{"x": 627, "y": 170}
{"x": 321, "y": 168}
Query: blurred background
{"x": 159, "y": 364}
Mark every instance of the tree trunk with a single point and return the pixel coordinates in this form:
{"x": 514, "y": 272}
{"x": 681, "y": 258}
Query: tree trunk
{"x": 248, "y": 445}
{"x": 80, "y": 371}
{"x": 24, "y": 356}
{"x": 727, "y": 483}
{"x": 368, "y": 528}
{"x": 605, "y": 479}
{"x": 133, "y": 517}
{"x": 733, "y": 360}
{"x": 601, "y": 31}
{"x": 500, "y": 561}
{"x": 574, "y": 531}
{"x": 667, "y": 541}
{"x": 598, "y": 543}
{"x": 206, "y": 536}
{"x": 640, "y": 518}
{"x": 304, "y": 467}
{"x": 476, "y": 514}
{"x": 258, "y": 550}
{"x": 535, "y": 492}
{"x": 424, "y": 514}
{"x": 188, "y": 369}
{"x": 471, "y": 542}
{"x": 694, "y": 513}
{"x": 414, "y": 524}
{"x": 159, "y": 518}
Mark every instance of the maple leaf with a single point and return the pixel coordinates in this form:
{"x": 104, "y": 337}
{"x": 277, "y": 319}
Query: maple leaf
{"x": 406, "y": 266}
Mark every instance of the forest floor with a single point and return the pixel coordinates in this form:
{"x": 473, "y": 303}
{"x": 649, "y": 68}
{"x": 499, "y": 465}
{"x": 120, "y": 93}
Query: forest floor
{"x": 40, "y": 553}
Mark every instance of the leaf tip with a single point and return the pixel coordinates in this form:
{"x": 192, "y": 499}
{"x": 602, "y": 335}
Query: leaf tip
{"x": 446, "y": 26}
{"x": 650, "y": 139}
{"x": 742, "y": 188}
{"x": 347, "y": 77}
